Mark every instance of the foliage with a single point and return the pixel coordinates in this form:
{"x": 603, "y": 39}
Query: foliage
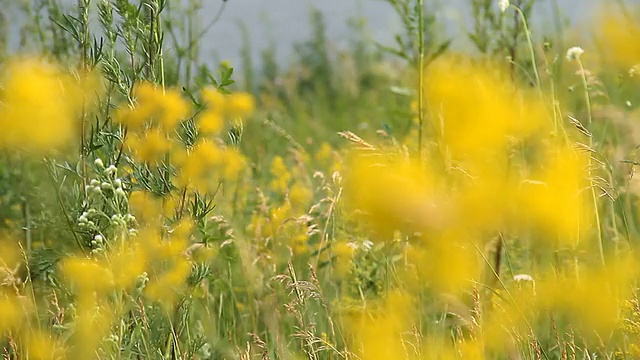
{"x": 370, "y": 203}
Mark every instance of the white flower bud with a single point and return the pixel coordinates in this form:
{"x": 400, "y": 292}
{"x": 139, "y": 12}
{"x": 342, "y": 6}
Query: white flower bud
{"x": 106, "y": 186}
{"x": 574, "y": 53}
{"x": 503, "y": 5}
{"x": 117, "y": 183}
{"x": 98, "y": 162}
{"x": 111, "y": 170}
{"x": 120, "y": 192}
{"x": 96, "y": 190}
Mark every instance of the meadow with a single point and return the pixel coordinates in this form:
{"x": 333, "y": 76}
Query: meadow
{"x": 370, "y": 202}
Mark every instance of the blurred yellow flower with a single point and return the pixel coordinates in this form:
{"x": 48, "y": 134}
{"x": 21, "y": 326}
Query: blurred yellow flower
{"x": 300, "y": 197}
{"x": 145, "y": 207}
{"x": 127, "y": 265}
{"x": 555, "y": 197}
{"x": 86, "y": 276}
{"x": 210, "y": 122}
{"x": 173, "y": 109}
{"x": 196, "y": 168}
{"x": 379, "y": 333}
{"x": 40, "y": 105}
{"x": 153, "y": 106}
{"x": 233, "y": 163}
{"x": 475, "y": 109}
{"x": 240, "y": 104}
{"x": 343, "y": 256}
{"x": 150, "y": 147}
{"x": 619, "y": 37}
{"x": 214, "y": 100}
{"x": 42, "y": 346}
{"x": 166, "y": 287}
{"x": 12, "y": 312}
{"x": 396, "y": 194}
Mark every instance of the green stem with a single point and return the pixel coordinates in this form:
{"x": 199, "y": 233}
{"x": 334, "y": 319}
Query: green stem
{"x": 62, "y": 208}
{"x": 594, "y": 198}
{"x": 421, "y": 75}
{"x": 530, "y": 43}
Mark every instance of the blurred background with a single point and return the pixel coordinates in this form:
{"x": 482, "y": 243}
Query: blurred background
{"x": 283, "y": 23}
{"x": 277, "y": 25}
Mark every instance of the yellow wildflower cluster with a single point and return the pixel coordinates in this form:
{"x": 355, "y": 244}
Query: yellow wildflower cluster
{"x": 328, "y": 159}
{"x": 157, "y": 266}
{"x": 491, "y": 165}
{"x": 618, "y": 36}
{"x": 154, "y": 106}
{"x": 152, "y": 121}
{"x": 380, "y": 334}
{"x": 41, "y": 105}
{"x": 221, "y": 107}
{"x": 285, "y": 223}
{"x": 477, "y": 180}
{"x": 475, "y": 111}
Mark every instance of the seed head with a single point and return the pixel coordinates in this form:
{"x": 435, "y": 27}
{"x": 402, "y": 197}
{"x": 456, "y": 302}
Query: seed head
{"x": 574, "y": 53}
{"x": 503, "y": 5}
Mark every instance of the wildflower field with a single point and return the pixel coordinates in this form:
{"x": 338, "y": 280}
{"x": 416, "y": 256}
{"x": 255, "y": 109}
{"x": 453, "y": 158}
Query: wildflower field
{"x": 373, "y": 202}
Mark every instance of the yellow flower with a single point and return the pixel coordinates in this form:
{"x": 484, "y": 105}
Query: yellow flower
{"x": 210, "y": 122}
{"x": 300, "y": 196}
{"x": 214, "y": 100}
{"x": 396, "y": 194}
{"x": 593, "y": 302}
{"x": 299, "y": 244}
{"x": 281, "y": 175}
{"x": 173, "y": 109}
{"x": 619, "y": 37}
{"x": 324, "y": 155}
{"x": 144, "y": 206}
{"x": 447, "y": 264}
{"x": 146, "y": 92}
{"x": 343, "y": 252}
{"x": 378, "y": 333}
{"x": 41, "y": 346}
{"x": 239, "y": 104}
{"x": 197, "y": 167}
{"x": 166, "y": 107}
{"x": 476, "y": 110}
{"x": 127, "y": 265}
{"x": 133, "y": 117}
{"x": 167, "y": 287}
{"x": 12, "y": 312}
{"x": 234, "y": 162}
{"x": 39, "y": 106}
{"x": 10, "y": 253}
{"x": 149, "y": 148}
{"x": 556, "y": 197}
{"x": 86, "y": 276}
{"x": 92, "y": 325}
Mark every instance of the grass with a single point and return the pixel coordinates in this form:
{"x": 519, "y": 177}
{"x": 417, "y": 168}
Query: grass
{"x": 402, "y": 202}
